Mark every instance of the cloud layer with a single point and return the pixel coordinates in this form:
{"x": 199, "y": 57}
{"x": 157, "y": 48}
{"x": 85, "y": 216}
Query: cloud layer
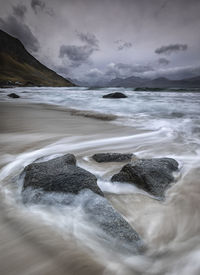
{"x": 106, "y": 39}
{"x": 173, "y": 48}
{"x": 78, "y": 55}
{"x": 39, "y": 5}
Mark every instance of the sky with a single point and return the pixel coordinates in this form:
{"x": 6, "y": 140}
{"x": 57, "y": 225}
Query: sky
{"x": 98, "y": 40}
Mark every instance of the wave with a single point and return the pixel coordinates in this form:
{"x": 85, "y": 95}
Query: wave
{"x": 92, "y": 114}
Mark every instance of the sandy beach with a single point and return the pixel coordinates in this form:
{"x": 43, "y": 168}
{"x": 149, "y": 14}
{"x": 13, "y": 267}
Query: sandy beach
{"x": 30, "y": 247}
{"x": 42, "y": 240}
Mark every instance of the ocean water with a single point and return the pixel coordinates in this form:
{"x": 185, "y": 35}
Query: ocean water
{"x": 160, "y": 124}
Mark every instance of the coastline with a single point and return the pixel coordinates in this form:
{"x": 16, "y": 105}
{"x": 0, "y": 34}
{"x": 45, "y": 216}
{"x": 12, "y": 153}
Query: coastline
{"x": 27, "y": 126}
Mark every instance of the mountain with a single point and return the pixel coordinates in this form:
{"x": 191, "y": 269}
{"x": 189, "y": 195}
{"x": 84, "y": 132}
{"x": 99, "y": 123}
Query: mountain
{"x": 161, "y": 82}
{"x": 127, "y": 82}
{"x": 19, "y": 67}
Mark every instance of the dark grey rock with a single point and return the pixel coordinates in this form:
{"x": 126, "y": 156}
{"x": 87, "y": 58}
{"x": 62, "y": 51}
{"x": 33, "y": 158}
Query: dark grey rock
{"x": 60, "y": 175}
{"x": 60, "y": 182}
{"x": 102, "y": 214}
{"x": 13, "y": 95}
{"x": 109, "y": 157}
{"x": 115, "y": 95}
{"x": 152, "y": 175}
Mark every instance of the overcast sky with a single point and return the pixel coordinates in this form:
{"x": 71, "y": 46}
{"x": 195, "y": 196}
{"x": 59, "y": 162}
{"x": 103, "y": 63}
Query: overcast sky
{"x": 104, "y": 39}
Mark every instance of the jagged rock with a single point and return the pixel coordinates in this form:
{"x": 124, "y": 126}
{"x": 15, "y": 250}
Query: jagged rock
{"x": 13, "y": 95}
{"x": 115, "y": 95}
{"x": 60, "y": 175}
{"x": 111, "y": 157}
{"x": 152, "y": 175}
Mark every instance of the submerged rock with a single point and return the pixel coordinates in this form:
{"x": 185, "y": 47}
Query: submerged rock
{"x": 111, "y": 157}
{"x": 152, "y": 175}
{"x": 102, "y": 214}
{"x": 13, "y": 95}
{"x": 60, "y": 175}
{"x": 115, "y": 95}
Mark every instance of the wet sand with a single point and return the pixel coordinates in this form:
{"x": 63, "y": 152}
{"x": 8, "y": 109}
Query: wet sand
{"x": 31, "y": 242}
{"x": 26, "y": 246}
{"x": 41, "y": 123}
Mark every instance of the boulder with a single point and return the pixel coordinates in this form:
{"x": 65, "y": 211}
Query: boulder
{"x": 59, "y": 175}
{"x": 60, "y": 181}
{"x": 115, "y": 95}
{"x": 152, "y": 175}
{"x": 13, "y": 95}
{"x": 111, "y": 157}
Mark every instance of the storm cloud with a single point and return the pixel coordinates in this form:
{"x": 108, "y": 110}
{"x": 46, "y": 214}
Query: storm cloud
{"x": 38, "y": 5}
{"x": 89, "y": 38}
{"x": 19, "y": 10}
{"x": 21, "y": 31}
{"x": 173, "y": 48}
{"x": 163, "y": 61}
{"x": 80, "y": 54}
{"x": 80, "y": 39}
{"x": 76, "y": 54}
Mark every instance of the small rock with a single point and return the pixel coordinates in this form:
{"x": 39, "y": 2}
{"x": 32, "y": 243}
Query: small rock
{"x": 111, "y": 157}
{"x": 115, "y": 95}
{"x": 13, "y": 95}
{"x": 152, "y": 175}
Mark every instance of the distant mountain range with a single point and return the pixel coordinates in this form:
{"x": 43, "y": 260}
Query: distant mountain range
{"x": 139, "y": 82}
{"x": 162, "y": 82}
{"x": 19, "y": 68}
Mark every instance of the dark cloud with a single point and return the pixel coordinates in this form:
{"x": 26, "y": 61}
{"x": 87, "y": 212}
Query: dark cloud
{"x": 123, "y": 45}
{"x": 78, "y": 55}
{"x": 21, "y": 31}
{"x": 126, "y": 70}
{"x": 163, "y": 61}
{"x": 89, "y": 38}
{"x": 19, "y": 10}
{"x": 173, "y": 48}
{"x": 148, "y": 24}
{"x": 38, "y": 5}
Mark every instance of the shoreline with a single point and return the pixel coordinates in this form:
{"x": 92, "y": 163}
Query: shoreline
{"x": 26, "y": 126}
{"x": 20, "y": 112}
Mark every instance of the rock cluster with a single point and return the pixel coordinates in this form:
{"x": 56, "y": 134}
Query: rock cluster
{"x": 45, "y": 181}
